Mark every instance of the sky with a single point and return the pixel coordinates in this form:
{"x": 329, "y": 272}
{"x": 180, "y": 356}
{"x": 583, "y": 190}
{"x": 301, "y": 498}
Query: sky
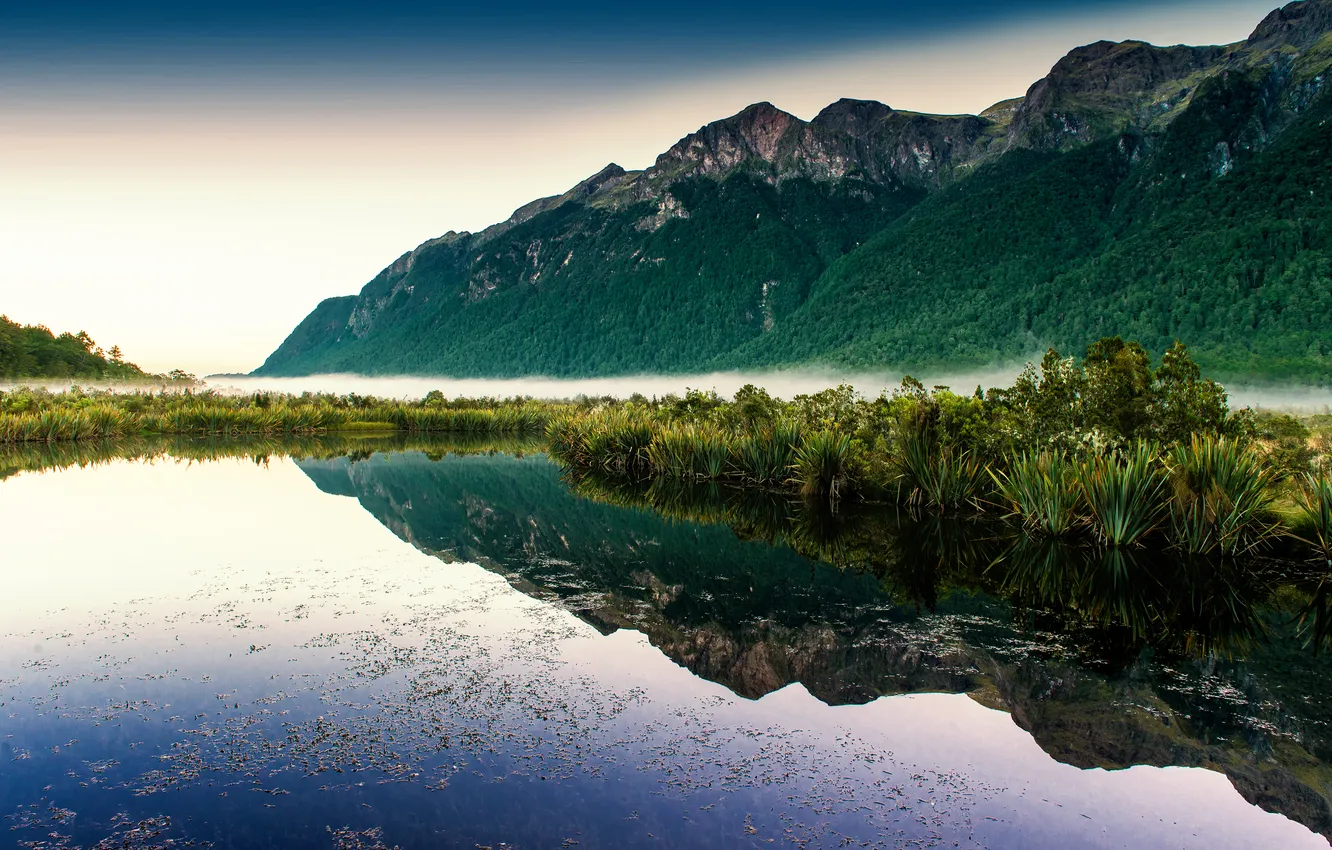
{"x": 188, "y": 180}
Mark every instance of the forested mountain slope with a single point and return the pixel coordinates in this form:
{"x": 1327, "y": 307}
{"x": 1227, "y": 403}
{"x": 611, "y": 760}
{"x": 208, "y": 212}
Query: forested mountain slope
{"x": 1156, "y": 193}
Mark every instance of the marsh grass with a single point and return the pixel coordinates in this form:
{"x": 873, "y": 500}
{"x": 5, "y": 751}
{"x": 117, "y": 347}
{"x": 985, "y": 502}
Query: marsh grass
{"x": 74, "y": 417}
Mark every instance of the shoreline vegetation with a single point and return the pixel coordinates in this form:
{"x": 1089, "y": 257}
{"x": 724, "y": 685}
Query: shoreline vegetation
{"x": 1104, "y": 451}
{"x": 34, "y": 353}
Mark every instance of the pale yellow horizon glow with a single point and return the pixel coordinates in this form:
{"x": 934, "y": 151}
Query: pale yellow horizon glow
{"x": 195, "y": 229}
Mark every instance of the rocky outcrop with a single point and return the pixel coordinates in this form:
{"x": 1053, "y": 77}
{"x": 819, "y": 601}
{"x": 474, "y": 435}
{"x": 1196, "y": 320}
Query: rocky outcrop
{"x": 1301, "y": 24}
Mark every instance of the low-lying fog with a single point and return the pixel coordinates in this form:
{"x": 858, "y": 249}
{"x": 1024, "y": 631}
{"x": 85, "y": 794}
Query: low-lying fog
{"x": 782, "y": 383}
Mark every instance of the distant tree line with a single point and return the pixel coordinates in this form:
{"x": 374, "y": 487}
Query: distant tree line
{"x": 33, "y": 351}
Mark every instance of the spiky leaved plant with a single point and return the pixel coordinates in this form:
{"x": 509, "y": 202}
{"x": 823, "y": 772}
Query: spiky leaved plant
{"x": 1042, "y": 489}
{"x": 1314, "y": 502}
{"x": 1124, "y": 494}
{"x": 1221, "y": 497}
{"x": 938, "y": 476}
{"x": 821, "y": 464}
{"x": 764, "y": 456}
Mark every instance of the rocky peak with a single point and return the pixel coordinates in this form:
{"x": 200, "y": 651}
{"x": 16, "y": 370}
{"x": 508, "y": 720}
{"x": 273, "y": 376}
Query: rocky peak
{"x": 605, "y": 178}
{"x": 1127, "y": 68}
{"x": 1105, "y": 88}
{"x": 1299, "y": 24}
{"x": 855, "y": 117}
{"x": 761, "y": 131}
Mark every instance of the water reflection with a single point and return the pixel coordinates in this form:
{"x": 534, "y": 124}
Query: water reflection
{"x": 1108, "y": 658}
{"x": 365, "y": 659}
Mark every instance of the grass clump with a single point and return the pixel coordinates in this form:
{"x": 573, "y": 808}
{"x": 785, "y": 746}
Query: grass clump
{"x": 820, "y": 464}
{"x": 1314, "y": 504}
{"x": 765, "y": 457}
{"x": 1221, "y": 499}
{"x": 1043, "y": 490}
{"x": 1124, "y": 494}
{"x": 942, "y": 477}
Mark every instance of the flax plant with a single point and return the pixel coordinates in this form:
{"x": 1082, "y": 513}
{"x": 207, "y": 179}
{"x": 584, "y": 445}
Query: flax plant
{"x": 1221, "y": 498}
{"x": 937, "y": 476}
{"x": 821, "y": 464}
{"x": 1124, "y": 495}
{"x": 1042, "y": 489}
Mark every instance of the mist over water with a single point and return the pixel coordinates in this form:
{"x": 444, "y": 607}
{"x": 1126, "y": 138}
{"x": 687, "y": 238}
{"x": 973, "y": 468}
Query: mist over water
{"x": 785, "y": 384}
{"x": 782, "y": 384}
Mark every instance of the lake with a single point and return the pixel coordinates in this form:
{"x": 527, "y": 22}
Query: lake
{"x": 383, "y": 643}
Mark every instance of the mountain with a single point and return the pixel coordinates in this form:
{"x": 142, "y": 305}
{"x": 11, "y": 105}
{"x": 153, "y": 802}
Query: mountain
{"x": 1152, "y": 192}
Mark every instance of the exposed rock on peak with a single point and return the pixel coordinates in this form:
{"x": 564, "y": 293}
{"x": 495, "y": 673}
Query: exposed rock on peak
{"x": 1301, "y": 24}
{"x": 605, "y": 178}
{"x": 1106, "y": 88}
{"x": 761, "y": 131}
{"x": 1003, "y": 111}
{"x": 1126, "y": 69}
{"x": 852, "y": 116}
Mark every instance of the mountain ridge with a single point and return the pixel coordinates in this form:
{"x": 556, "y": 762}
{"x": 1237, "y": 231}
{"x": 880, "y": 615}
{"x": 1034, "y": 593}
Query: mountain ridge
{"x": 685, "y": 244}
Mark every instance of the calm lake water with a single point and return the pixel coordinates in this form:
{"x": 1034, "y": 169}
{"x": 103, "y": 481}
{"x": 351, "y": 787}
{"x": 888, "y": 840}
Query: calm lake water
{"x": 423, "y": 649}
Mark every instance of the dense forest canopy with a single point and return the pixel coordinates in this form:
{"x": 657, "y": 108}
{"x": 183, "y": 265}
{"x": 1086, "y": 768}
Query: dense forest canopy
{"x": 33, "y": 351}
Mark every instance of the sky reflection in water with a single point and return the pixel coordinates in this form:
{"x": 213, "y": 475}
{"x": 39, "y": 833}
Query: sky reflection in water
{"x": 225, "y": 653}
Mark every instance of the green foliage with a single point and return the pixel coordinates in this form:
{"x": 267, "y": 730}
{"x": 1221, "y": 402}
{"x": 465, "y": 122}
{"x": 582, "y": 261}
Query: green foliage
{"x": 1043, "y": 490}
{"x": 1222, "y": 498}
{"x": 937, "y": 475}
{"x": 1112, "y": 398}
{"x": 38, "y": 416}
{"x": 1124, "y": 494}
{"x": 32, "y": 351}
{"x": 1315, "y": 515}
{"x": 821, "y": 464}
{"x": 764, "y": 456}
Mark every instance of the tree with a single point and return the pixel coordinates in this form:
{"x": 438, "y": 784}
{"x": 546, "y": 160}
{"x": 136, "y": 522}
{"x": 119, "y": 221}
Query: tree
{"x": 1118, "y": 388}
{"x": 1183, "y": 402}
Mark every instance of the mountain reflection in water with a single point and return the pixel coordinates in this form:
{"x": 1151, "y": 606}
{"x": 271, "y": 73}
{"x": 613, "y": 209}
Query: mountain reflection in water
{"x": 1109, "y": 659}
{"x": 228, "y": 657}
